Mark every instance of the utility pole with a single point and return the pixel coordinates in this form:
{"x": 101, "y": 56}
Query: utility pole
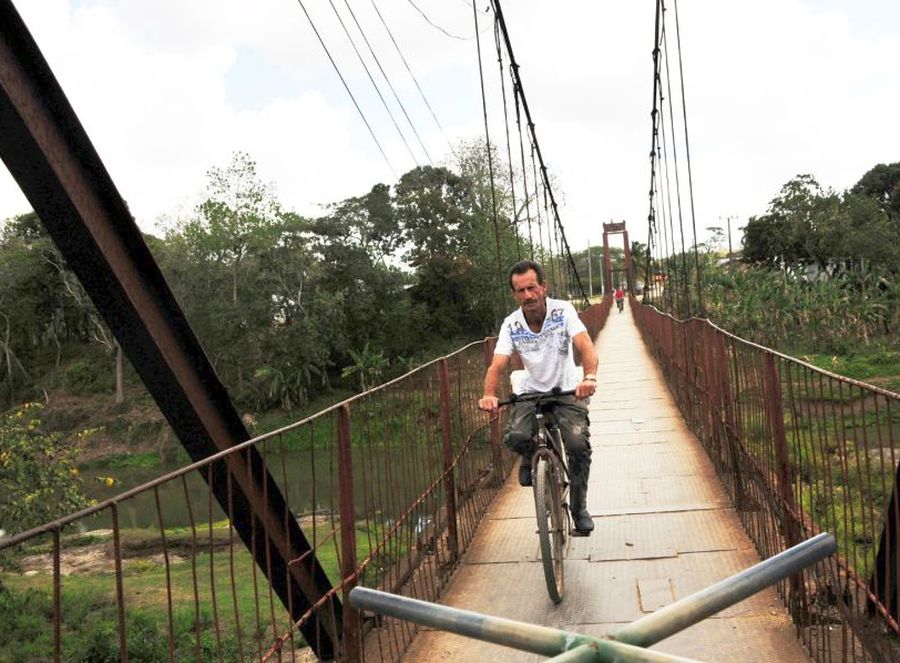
{"x": 730, "y": 254}
{"x": 590, "y": 280}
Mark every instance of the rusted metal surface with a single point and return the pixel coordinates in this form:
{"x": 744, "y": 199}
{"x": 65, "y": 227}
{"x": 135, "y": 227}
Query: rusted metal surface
{"x": 800, "y": 450}
{"x": 51, "y": 157}
{"x": 347, "y": 505}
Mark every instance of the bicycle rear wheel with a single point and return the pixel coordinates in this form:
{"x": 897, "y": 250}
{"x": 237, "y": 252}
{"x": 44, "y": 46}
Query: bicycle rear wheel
{"x": 551, "y": 526}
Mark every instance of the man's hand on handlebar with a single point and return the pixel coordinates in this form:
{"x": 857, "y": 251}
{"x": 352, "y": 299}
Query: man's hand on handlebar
{"x": 489, "y": 404}
{"x": 585, "y": 389}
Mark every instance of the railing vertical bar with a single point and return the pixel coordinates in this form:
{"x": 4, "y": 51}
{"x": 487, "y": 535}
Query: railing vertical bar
{"x": 267, "y": 538}
{"x": 120, "y": 591}
{"x": 190, "y": 512}
{"x": 234, "y": 601}
{"x": 166, "y": 563}
{"x": 449, "y": 483}
{"x": 496, "y": 451}
{"x": 350, "y": 635}
{"x": 257, "y": 635}
{"x": 212, "y": 573}
{"x": 287, "y": 530}
{"x": 57, "y": 599}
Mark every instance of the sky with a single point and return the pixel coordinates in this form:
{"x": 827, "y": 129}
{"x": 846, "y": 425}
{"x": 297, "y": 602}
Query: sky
{"x": 169, "y": 89}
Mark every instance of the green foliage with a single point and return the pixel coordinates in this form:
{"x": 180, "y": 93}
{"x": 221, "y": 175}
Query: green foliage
{"x": 283, "y": 304}
{"x": 808, "y": 225}
{"x": 38, "y": 478}
{"x": 368, "y": 365}
{"x": 836, "y": 315}
{"x": 91, "y": 632}
{"x": 85, "y": 376}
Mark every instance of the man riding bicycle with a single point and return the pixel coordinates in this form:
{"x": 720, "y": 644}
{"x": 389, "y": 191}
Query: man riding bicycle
{"x": 543, "y": 331}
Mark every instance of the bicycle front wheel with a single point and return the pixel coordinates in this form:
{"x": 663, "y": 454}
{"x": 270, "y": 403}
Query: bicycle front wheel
{"x": 551, "y": 526}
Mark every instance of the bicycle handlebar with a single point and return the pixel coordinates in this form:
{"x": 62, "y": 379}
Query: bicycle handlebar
{"x": 536, "y": 396}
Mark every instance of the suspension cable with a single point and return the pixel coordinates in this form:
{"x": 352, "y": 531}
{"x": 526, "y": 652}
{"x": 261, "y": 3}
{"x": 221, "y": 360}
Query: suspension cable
{"x": 412, "y": 75}
{"x": 388, "y": 81}
{"x": 347, "y": 87}
{"x": 677, "y": 177}
{"x": 687, "y": 147}
{"x": 372, "y": 81}
{"x": 519, "y": 90}
{"x": 512, "y": 179}
{"x": 525, "y": 179}
{"x": 487, "y": 138}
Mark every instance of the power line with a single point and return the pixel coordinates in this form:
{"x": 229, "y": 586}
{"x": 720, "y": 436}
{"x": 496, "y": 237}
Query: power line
{"x": 372, "y": 80}
{"x": 388, "y": 81}
{"x": 406, "y": 64}
{"x": 436, "y": 26}
{"x": 347, "y": 87}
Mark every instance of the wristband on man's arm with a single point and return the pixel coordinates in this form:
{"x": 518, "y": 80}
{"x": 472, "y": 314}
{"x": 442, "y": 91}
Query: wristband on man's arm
{"x": 590, "y": 377}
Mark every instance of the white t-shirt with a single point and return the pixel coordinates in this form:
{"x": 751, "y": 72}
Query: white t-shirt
{"x": 547, "y": 356}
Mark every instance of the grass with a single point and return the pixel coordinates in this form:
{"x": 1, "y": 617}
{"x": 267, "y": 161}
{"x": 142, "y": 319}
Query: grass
{"x": 879, "y": 365}
{"x": 88, "y": 599}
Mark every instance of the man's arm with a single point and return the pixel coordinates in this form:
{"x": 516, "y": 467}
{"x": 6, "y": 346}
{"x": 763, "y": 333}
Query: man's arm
{"x": 584, "y": 346}
{"x": 495, "y": 372}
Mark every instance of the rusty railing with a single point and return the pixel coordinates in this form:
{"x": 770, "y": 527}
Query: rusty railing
{"x": 388, "y": 487}
{"x": 801, "y": 451}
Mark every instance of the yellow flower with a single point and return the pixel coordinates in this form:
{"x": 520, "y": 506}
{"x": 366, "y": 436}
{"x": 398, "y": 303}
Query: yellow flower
{"x": 74, "y": 471}
{"x": 109, "y": 481}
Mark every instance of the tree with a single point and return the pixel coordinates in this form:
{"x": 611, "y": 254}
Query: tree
{"x": 235, "y": 216}
{"x": 38, "y": 477}
{"x": 786, "y": 234}
{"x": 882, "y": 183}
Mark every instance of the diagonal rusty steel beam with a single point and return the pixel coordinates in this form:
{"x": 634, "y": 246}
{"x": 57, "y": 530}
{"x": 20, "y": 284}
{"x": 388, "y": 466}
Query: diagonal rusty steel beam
{"x": 51, "y": 157}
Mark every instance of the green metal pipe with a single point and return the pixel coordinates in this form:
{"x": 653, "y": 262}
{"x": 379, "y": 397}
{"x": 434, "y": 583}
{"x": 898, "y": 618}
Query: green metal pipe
{"x": 696, "y": 607}
{"x": 507, "y": 632}
{"x": 609, "y": 651}
{"x": 585, "y": 653}
{"x": 563, "y": 645}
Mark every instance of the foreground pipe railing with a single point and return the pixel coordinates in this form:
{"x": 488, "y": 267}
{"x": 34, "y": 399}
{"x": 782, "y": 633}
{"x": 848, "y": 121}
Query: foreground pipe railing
{"x": 624, "y": 644}
{"x": 691, "y": 609}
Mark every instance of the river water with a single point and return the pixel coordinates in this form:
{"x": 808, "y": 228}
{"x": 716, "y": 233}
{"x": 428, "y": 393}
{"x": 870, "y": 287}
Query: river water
{"x": 311, "y": 481}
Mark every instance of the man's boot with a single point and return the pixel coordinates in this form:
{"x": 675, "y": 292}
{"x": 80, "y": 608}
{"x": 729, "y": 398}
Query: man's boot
{"x": 525, "y": 471}
{"x": 584, "y": 524}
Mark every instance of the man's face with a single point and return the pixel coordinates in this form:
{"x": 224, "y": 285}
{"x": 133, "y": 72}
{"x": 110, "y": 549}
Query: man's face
{"x": 529, "y": 294}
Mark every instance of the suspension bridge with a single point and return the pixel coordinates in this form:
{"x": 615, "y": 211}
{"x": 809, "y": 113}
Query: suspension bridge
{"x": 710, "y": 452}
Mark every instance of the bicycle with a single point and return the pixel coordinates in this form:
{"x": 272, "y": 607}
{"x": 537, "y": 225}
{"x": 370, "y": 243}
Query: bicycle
{"x": 550, "y": 481}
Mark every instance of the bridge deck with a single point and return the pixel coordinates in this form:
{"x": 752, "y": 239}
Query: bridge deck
{"x": 664, "y": 529}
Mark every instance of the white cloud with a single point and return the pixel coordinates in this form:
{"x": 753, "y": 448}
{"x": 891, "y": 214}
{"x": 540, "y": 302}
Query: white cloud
{"x": 784, "y": 87}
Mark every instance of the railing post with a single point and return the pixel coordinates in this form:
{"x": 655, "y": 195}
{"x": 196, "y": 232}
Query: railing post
{"x": 350, "y": 631}
{"x": 785, "y": 470}
{"x": 711, "y": 385}
{"x": 496, "y": 450}
{"x": 449, "y": 483}
{"x": 731, "y": 429}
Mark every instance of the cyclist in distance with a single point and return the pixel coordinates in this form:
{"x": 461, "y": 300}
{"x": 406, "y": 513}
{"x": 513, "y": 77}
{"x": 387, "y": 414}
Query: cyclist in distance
{"x": 620, "y": 298}
{"x": 543, "y": 332}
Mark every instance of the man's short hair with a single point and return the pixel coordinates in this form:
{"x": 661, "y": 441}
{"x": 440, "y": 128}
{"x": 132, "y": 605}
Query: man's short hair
{"x": 524, "y": 266}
